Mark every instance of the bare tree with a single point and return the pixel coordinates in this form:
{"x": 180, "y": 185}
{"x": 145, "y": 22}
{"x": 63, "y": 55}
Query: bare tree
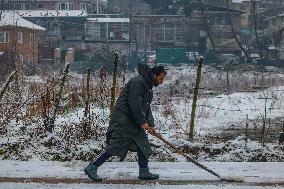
{"x": 277, "y": 39}
{"x": 204, "y": 13}
{"x": 234, "y": 33}
{"x": 49, "y": 122}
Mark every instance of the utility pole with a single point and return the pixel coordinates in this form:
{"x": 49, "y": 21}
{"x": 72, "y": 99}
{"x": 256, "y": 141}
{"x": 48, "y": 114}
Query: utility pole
{"x": 97, "y": 6}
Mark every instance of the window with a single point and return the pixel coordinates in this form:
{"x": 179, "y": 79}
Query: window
{"x": 31, "y": 59}
{"x": 83, "y": 6}
{"x": 65, "y": 6}
{"x": 4, "y": 37}
{"x": 164, "y": 32}
{"x": 22, "y": 6}
{"x": 21, "y": 59}
{"x": 20, "y": 37}
{"x": 96, "y": 31}
{"x": 32, "y": 38}
{"x": 40, "y": 6}
{"x": 118, "y": 31}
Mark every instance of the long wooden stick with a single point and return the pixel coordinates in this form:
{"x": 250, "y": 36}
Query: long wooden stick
{"x": 188, "y": 157}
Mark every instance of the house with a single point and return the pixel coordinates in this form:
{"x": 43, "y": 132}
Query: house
{"x": 150, "y": 32}
{"x": 107, "y": 29}
{"x": 219, "y": 26}
{"x": 19, "y": 38}
{"x": 60, "y": 24}
{"x": 247, "y": 7}
{"x": 271, "y": 7}
{"x": 126, "y": 7}
{"x": 64, "y": 29}
{"x": 275, "y": 32}
{"x": 97, "y": 6}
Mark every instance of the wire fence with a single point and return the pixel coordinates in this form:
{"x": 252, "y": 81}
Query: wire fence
{"x": 170, "y": 108}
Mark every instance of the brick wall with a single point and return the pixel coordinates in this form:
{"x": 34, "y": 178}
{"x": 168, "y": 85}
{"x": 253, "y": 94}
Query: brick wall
{"x": 49, "y": 5}
{"x": 27, "y": 49}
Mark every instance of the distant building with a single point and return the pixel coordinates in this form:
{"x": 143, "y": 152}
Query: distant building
{"x": 247, "y": 7}
{"x": 219, "y": 25}
{"x": 107, "y": 29}
{"x": 60, "y": 24}
{"x": 275, "y": 32}
{"x": 150, "y": 32}
{"x": 65, "y": 29}
{"x": 271, "y": 7}
{"x": 138, "y": 7}
{"x": 19, "y": 38}
{"x": 96, "y": 6}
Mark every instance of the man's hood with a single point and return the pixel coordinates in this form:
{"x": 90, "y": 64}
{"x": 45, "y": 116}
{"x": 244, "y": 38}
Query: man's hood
{"x": 145, "y": 71}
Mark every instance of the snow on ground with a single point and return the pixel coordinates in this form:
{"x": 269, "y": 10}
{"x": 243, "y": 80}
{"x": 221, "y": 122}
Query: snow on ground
{"x": 124, "y": 186}
{"x": 252, "y": 172}
{"x": 223, "y": 111}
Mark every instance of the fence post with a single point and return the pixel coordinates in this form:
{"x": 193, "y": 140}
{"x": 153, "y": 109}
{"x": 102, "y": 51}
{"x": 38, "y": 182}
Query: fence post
{"x": 195, "y": 95}
{"x": 57, "y": 99}
{"x": 86, "y": 123}
{"x": 114, "y": 73}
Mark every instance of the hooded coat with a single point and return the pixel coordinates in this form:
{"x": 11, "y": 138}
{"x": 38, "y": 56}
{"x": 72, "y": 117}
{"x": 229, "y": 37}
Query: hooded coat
{"x": 132, "y": 109}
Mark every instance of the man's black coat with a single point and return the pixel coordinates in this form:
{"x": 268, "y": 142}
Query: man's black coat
{"x": 131, "y": 110}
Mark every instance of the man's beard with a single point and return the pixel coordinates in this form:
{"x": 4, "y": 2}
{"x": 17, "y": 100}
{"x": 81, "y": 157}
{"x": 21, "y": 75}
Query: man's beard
{"x": 156, "y": 83}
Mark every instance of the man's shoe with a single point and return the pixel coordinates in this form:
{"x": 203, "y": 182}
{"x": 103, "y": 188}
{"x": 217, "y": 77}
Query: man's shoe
{"x": 144, "y": 174}
{"x": 91, "y": 172}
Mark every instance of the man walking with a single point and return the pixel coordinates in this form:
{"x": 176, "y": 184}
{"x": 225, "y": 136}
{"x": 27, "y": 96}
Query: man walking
{"x": 131, "y": 119}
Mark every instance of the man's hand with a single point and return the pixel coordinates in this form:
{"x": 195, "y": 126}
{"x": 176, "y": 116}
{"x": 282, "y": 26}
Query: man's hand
{"x": 149, "y": 129}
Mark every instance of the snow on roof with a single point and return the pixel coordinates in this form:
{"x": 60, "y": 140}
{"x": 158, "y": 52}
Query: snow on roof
{"x": 11, "y": 18}
{"x": 237, "y": 1}
{"x": 108, "y": 19}
{"x": 53, "y": 13}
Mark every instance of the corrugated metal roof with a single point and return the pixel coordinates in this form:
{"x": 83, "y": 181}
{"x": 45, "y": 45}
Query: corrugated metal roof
{"x": 12, "y": 18}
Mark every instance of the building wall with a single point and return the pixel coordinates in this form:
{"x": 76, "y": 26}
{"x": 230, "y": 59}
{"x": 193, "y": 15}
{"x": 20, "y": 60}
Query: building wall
{"x": 52, "y": 5}
{"x": 27, "y": 49}
{"x": 267, "y": 3}
{"x": 107, "y": 32}
{"x": 246, "y": 6}
{"x": 123, "y": 7}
